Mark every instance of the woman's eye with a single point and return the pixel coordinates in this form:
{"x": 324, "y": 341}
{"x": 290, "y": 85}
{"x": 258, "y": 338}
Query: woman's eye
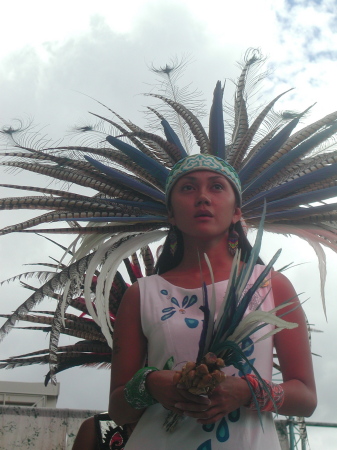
{"x": 218, "y": 186}
{"x": 187, "y": 187}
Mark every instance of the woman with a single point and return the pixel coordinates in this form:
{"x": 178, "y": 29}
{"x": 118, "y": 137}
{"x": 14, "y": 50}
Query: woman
{"x": 127, "y": 213}
{"x": 203, "y": 195}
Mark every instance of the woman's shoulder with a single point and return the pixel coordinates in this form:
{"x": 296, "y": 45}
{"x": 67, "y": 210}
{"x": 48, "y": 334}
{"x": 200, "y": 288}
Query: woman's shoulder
{"x": 283, "y": 290}
{"x": 279, "y": 278}
{"x": 150, "y": 284}
{"x": 130, "y": 298}
{"x": 148, "y": 280}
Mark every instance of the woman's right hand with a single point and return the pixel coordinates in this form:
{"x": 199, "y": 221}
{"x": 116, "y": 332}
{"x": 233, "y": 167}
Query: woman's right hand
{"x": 161, "y": 387}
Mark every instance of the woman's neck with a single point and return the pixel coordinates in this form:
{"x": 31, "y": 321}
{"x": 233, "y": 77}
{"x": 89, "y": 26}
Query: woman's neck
{"x": 216, "y": 249}
{"x": 193, "y": 269}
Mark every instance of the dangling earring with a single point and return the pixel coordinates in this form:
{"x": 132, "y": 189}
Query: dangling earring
{"x": 233, "y": 240}
{"x": 173, "y": 240}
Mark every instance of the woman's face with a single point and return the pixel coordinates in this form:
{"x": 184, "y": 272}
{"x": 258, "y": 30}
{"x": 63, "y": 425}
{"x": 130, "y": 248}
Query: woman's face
{"x": 203, "y": 204}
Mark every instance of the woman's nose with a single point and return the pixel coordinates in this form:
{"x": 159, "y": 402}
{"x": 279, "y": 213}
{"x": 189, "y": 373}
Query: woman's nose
{"x": 202, "y": 199}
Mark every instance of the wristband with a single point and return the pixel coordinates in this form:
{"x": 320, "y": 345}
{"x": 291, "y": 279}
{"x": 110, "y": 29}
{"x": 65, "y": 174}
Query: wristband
{"x": 270, "y": 400}
{"x": 135, "y": 391}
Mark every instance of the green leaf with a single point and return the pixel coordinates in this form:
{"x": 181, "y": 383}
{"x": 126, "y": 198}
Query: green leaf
{"x": 169, "y": 364}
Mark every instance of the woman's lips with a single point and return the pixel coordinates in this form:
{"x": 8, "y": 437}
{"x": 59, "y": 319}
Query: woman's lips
{"x": 203, "y": 214}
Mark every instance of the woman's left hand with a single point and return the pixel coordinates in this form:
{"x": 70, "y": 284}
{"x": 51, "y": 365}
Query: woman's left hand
{"x": 228, "y": 396}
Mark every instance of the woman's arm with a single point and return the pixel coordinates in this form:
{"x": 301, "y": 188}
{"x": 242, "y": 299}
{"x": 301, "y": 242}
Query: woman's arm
{"x": 293, "y": 351}
{"x": 128, "y": 356}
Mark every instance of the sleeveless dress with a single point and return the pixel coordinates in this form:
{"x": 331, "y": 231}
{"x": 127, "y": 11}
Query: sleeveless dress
{"x": 171, "y": 322}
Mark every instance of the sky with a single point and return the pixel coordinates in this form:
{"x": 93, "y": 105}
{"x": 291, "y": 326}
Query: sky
{"x": 56, "y": 58}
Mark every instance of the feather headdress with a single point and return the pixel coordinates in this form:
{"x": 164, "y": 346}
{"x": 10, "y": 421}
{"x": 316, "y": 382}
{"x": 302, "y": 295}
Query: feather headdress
{"x": 127, "y": 211}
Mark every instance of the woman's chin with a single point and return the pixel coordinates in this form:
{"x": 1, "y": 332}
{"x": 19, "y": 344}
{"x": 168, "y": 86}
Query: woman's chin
{"x": 204, "y": 234}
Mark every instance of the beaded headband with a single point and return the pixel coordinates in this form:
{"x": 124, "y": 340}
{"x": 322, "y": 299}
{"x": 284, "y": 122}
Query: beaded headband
{"x": 203, "y": 162}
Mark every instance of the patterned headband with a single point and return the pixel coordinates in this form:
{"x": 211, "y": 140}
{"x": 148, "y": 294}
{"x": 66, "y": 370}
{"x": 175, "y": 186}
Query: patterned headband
{"x": 203, "y": 162}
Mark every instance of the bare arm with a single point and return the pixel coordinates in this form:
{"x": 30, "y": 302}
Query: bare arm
{"x": 128, "y": 356}
{"x": 293, "y": 351}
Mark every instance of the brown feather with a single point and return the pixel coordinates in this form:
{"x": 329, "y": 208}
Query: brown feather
{"x": 192, "y": 121}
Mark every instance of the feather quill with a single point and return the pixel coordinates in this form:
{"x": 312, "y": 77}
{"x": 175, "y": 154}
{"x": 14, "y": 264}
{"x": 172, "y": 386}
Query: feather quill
{"x": 157, "y": 170}
{"x": 216, "y": 124}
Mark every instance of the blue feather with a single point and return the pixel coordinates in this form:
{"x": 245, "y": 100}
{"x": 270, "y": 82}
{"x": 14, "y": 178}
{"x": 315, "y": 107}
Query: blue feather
{"x": 299, "y": 213}
{"x": 286, "y": 159}
{"x": 127, "y": 181}
{"x": 173, "y": 138}
{"x": 158, "y": 171}
{"x": 267, "y": 151}
{"x": 216, "y": 125}
{"x": 295, "y": 200}
{"x": 226, "y": 327}
{"x": 205, "y": 309}
{"x": 234, "y": 308}
{"x": 295, "y": 185}
{"x": 244, "y": 302}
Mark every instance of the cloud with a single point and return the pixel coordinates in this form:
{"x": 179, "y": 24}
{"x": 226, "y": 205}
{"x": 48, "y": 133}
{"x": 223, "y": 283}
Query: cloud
{"x": 307, "y": 40}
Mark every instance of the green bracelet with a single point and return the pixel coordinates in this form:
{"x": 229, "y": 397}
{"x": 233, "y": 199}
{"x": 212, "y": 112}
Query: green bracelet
{"x": 135, "y": 391}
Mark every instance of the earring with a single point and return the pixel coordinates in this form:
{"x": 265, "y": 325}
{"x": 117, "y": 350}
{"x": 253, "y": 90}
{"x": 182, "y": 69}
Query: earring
{"x": 173, "y": 240}
{"x": 233, "y": 241}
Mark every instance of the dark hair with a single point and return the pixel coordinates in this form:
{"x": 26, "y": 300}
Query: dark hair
{"x": 167, "y": 261}
{"x": 244, "y": 244}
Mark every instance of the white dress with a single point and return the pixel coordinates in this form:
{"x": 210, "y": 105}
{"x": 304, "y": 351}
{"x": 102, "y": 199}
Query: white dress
{"x": 171, "y": 322}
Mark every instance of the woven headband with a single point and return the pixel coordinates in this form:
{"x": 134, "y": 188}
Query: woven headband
{"x": 203, "y": 162}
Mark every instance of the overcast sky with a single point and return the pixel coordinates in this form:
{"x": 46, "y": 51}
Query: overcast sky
{"x": 53, "y": 53}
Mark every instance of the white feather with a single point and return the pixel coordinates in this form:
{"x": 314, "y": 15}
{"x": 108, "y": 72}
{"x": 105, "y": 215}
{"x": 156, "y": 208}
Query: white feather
{"x": 249, "y": 322}
{"x": 316, "y": 243}
{"x": 211, "y": 304}
{"x": 94, "y": 263}
{"x": 108, "y": 273}
{"x": 234, "y": 270}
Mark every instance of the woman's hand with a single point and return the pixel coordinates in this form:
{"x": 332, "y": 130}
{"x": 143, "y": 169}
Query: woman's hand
{"x": 161, "y": 387}
{"x": 226, "y": 397}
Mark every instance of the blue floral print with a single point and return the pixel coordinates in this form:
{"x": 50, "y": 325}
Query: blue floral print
{"x": 248, "y": 349}
{"x": 222, "y": 430}
{"x": 186, "y": 303}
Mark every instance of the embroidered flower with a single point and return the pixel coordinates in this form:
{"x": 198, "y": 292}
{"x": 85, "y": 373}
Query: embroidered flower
{"x": 187, "y": 302}
{"x": 248, "y": 349}
{"x": 265, "y": 283}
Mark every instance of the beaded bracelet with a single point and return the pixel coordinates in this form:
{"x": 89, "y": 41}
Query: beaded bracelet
{"x": 135, "y": 391}
{"x": 265, "y": 401}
